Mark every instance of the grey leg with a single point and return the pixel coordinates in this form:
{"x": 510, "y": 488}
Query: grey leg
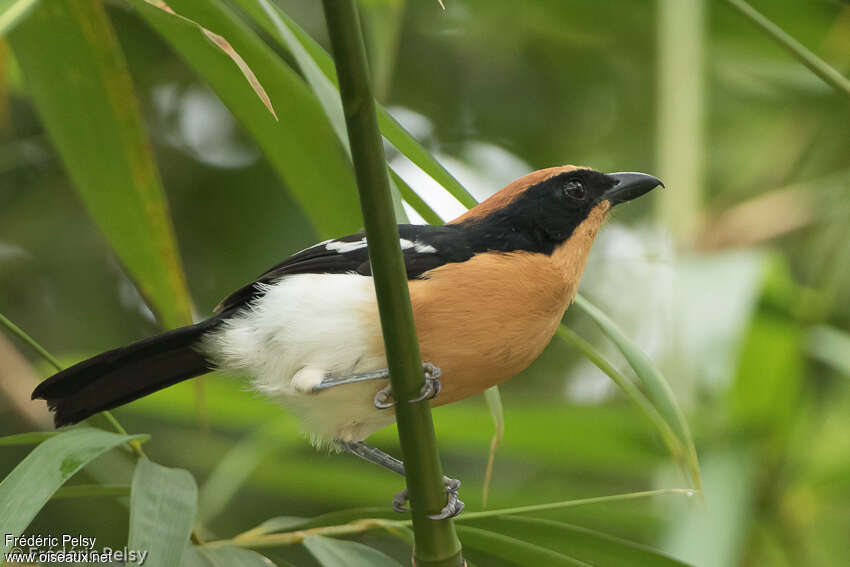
{"x": 454, "y": 505}
{"x": 384, "y": 397}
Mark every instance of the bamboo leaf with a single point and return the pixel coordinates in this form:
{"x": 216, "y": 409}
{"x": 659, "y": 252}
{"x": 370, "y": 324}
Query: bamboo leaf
{"x": 312, "y": 59}
{"x": 301, "y": 146}
{"x": 32, "y": 438}
{"x": 162, "y": 511}
{"x": 494, "y": 403}
{"x": 78, "y": 80}
{"x": 273, "y": 525}
{"x": 333, "y": 552}
{"x": 816, "y": 65}
{"x": 92, "y": 491}
{"x": 234, "y": 469}
{"x": 627, "y": 386}
{"x": 593, "y": 547}
{"x": 12, "y": 12}
{"x": 325, "y": 90}
{"x": 36, "y": 478}
{"x": 471, "y": 516}
{"x": 657, "y": 387}
{"x": 224, "y": 556}
{"x": 513, "y": 549}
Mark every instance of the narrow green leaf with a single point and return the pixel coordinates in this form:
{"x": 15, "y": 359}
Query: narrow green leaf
{"x": 92, "y": 491}
{"x": 657, "y": 387}
{"x": 512, "y": 549}
{"x": 831, "y": 346}
{"x": 12, "y": 12}
{"x": 301, "y": 146}
{"x": 627, "y": 386}
{"x": 494, "y": 404}
{"x": 321, "y": 84}
{"x": 24, "y": 336}
{"x": 105, "y": 416}
{"x": 78, "y": 80}
{"x": 162, "y": 511}
{"x": 32, "y": 438}
{"x": 224, "y": 556}
{"x": 277, "y": 524}
{"x": 414, "y": 200}
{"x": 234, "y": 469}
{"x": 587, "y": 545}
{"x": 816, "y": 65}
{"x": 309, "y": 55}
{"x": 471, "y": 516}
{"x": 326, "y": 91}
{"x": 35, "y": 479}
{"x": 334, "y": 552}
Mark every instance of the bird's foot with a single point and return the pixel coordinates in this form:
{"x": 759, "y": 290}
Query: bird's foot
{"x": 430, "y": 389}
{"x": 453, "y": 507}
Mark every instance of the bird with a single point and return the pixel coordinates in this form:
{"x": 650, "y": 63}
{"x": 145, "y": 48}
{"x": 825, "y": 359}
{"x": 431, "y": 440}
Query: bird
{"x": 487, "y": 289}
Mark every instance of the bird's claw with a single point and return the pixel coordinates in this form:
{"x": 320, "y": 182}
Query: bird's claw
{"x": 453, "y": 507}
{"x": 430, "y": 389}
{"x": 432, "y": 386}
{"x": 384, "y": 398}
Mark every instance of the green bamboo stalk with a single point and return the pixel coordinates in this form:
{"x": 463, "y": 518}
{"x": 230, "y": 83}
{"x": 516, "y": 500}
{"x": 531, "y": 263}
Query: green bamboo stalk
{"x": 815, "y": 64}
{"x": 437, "y": 544}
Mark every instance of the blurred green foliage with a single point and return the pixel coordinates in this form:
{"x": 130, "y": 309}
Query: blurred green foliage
{"x": 747, "y": 315}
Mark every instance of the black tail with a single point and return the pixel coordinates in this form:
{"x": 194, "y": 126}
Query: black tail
{"x": 125, "y": 374}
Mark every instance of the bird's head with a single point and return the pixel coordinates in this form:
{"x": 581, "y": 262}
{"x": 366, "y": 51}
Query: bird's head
{"x": 544, "y": 208}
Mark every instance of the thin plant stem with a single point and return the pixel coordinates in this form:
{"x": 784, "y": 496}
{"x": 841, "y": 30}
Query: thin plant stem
{"x": 437, "y": 544}
{"x": 254, "y": 540}
{"x": 815, "y": 64}
{"x": 134, "y": 444}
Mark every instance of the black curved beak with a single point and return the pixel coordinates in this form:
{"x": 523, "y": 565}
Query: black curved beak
{"x": 629, "y": 185}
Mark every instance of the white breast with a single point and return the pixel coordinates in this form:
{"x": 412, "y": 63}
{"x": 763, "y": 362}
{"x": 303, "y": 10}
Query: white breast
{"x": 301, "y": 328}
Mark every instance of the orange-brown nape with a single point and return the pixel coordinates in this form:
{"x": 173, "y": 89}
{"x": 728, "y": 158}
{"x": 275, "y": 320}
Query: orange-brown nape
{"x": 510, "y": 192}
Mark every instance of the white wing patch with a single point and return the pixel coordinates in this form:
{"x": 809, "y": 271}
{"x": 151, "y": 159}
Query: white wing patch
{"x": 420, "y": 247}
{"x": 343, "y": 247}
{"x": 423, "y": 248}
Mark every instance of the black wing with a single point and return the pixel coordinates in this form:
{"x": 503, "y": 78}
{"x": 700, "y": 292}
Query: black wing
{"x": 424, "y": 248}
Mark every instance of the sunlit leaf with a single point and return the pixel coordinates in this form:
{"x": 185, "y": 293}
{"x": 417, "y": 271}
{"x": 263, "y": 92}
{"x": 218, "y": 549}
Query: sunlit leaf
{"x": 78, "y": 80}
{"x": 12, "y": 12}
{"x": 162, "y": 511}
{"x": 35, "y": 479}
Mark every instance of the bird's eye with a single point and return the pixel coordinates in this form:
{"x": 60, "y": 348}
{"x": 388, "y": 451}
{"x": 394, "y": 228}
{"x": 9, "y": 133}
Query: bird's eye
{"x": 575, "y": 190}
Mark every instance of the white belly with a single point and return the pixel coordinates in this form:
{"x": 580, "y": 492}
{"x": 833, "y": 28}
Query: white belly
{"x": 305, "y": 326}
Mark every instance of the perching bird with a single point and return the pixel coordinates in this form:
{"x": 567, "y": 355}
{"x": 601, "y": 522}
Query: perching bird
{"x": 488, "y": 290}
